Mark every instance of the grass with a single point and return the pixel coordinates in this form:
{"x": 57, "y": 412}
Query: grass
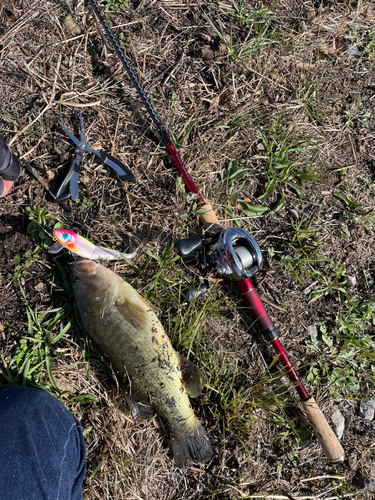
{"x": 257, "y": 25}
{"x": 287, "y": 166}
{"x": 347, "y": 366}
{"x": 343, "y": 350}
{"x": 229, "y": 397}
{"x": 32, "y": 360}
{"x": 260, "y": 134}
{"x": 233, "y": 182}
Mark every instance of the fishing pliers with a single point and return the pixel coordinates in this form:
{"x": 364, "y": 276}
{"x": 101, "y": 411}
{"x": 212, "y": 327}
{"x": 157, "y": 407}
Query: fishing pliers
{"x": 82, "y": 149}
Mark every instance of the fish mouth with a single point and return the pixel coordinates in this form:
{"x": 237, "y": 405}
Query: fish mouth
{"x": 84, "y": 267}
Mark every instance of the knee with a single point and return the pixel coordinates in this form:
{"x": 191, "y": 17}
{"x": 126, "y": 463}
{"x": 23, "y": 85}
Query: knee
{"x": 18, "y": 401}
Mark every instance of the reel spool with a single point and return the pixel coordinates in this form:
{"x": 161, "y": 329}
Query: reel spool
{"x": 236, "y": 255}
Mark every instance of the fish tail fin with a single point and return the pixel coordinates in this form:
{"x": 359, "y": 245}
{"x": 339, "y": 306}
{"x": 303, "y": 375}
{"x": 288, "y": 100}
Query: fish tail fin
{"x": 191, "y": 446}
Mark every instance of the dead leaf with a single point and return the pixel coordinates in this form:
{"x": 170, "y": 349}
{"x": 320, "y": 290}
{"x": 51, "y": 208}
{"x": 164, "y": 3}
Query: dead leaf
{"x": 277, "y": 78}
{"x": 50, "y": 175}
{"x": 71, "y": 26}
{"x": 327, "y": 49}
{"x": 304, "y": 65}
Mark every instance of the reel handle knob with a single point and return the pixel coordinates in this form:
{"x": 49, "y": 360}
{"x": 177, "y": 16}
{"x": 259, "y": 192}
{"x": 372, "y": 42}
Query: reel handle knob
{"x": 187, "y": 246}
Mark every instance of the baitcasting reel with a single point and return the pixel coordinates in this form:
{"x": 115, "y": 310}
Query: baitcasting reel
{"x": 232, "y": 253}
{"x": 236, "y": 255}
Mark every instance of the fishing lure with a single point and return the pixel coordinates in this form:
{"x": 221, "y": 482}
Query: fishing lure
{"x": 84, "y": 248}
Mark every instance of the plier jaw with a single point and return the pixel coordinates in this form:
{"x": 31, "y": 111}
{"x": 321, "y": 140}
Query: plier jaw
{"x": 72, "y": 176}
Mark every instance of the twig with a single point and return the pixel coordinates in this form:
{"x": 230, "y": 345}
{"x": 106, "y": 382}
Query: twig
{"x": 129, "y": 206}
{"x": 21, "y": 22}
{"x": 326, "y": 476}
{"x": 33, "y": 172}
{"x": 273, "y": 305}
{"x": 33, "y": 148}
{"x": 105, "y": 124}
{"x": 148, "y": 204}
{"x": 49, "y": 105}
{"x": 79, "y": 104}
{"x": 309, "y": 497}
{"x": 359, "y": 460}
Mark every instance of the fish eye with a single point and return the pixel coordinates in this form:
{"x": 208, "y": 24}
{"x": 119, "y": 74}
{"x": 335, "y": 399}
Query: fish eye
{"x": 65, "y": 233}
{"x": 76, "y": 279}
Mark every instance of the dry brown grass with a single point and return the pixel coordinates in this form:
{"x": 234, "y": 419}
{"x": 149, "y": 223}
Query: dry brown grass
{"x": 300, "y": 90}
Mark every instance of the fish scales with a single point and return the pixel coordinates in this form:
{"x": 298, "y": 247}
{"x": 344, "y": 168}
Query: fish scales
{"x": 127, "y": 331}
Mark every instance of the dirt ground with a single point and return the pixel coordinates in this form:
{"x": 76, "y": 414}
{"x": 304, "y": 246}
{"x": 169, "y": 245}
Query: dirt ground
{"x": 309, "y": 88}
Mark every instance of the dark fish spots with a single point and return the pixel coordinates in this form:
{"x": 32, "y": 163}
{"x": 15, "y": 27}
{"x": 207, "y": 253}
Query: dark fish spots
{"x": 168, "y": 402}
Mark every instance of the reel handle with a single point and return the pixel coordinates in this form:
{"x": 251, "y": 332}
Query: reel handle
{"x": 187, "y": 246}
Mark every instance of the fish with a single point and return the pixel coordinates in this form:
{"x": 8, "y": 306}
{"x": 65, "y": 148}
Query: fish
{"x": 126, "y": 330}
{"x": 79, "y": 245}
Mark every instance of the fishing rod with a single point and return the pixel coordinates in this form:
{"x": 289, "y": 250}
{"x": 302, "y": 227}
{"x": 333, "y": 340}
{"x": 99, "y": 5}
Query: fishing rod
{"x": 208, "y": 215}
{"x": 234, "y": 254}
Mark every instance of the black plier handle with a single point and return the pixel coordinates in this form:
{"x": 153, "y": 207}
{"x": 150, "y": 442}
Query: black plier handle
{"x": 71, "y": 178}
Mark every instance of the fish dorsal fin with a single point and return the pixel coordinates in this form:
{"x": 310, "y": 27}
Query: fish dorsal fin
{"x": 192, "y": 377}
{"x": 133, "y": 311}
{"x": 151, "y": 306}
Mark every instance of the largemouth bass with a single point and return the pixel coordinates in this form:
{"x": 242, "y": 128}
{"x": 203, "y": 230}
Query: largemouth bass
{"x": 127, "y": 331}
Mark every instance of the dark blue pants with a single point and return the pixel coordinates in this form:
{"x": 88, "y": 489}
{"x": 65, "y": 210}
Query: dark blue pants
{"x": 42, "y": 450}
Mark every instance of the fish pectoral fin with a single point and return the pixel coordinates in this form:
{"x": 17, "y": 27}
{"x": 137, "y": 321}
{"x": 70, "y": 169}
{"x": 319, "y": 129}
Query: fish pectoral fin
{"x": 107, "y": 297}
{"x": 140, "y": 411}
{"x": 134, "y": 313}
{"x": 192, "y": 377}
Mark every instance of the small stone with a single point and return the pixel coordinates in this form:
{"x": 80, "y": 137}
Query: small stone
{"x": 354, "y": 51}
{"x": 312, "y": 331}
{"x": 363, "y": 483}
{"x": 86, "y": 431}
{"x": 366, "y": 412}
{"x": 371, "y": 403}
{"x": 338, "y": 422}
{"x": 293, "y": 213}
{"x": 351, "y": 281}
{"x": 352, "y": 457}
{"x": 205, "y": 37}
{"x": 39, "y": 287}
{"x": 207, "y": 53}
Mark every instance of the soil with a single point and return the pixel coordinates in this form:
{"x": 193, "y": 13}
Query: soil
{"x": 310, "y": 87}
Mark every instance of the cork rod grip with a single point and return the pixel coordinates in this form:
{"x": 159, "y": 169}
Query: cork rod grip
{"x": 208, "y": 216}
{"x": 325, "y": 435}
